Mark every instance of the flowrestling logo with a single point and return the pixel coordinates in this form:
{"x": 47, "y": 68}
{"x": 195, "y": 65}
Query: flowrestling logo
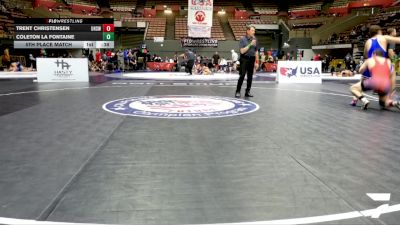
{"x": 180, "y": 106}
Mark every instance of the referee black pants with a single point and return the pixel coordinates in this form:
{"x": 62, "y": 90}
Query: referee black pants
{"x": 246, "y": 66}
{"x": 189, "y": 66}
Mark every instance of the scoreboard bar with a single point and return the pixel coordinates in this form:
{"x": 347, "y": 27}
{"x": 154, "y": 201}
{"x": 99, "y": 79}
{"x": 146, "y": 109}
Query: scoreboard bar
{"x": 47, "y": 21}
{"x": 63, "y": 44}
{"x": 61, "y": 28}
{"x": 60, "y": 36}
{"x": 64, "y": 33}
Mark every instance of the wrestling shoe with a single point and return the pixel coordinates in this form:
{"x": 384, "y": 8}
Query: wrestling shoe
{"x": 365, "y": 103}
{"x": 354, "y": 102}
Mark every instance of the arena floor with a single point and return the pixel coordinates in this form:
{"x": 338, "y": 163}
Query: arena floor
{"x": 304, "y": 156}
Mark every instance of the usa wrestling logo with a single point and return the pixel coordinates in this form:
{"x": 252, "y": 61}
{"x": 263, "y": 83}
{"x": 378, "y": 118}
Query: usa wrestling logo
{"x": 180, "y": 106}
{"x": 289, "y": 72}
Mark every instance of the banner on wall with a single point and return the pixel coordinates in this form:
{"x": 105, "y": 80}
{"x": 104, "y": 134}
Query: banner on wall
{"x": 299, "y": 72}
{"x": 199, "y": 42}
{"x": 62, "y": 70}
{"x": 199, "y": 32}
{"x": 200, "y": 17}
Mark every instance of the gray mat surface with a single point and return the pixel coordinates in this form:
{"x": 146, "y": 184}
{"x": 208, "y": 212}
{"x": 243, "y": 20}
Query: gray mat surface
{"x": 305, "y": 152}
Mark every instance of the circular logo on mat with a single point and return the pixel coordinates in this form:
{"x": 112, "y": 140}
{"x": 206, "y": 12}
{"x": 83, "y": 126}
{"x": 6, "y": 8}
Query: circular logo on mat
{"x": 180, "y": 106}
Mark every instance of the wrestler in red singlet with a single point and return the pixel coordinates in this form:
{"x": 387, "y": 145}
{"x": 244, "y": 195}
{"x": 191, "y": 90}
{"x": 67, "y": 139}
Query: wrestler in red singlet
{"x": 380, "y": 77}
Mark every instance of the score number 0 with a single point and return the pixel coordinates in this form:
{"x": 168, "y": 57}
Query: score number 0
{"x": 108, "y": 32}
{"x": 108, "y": 27}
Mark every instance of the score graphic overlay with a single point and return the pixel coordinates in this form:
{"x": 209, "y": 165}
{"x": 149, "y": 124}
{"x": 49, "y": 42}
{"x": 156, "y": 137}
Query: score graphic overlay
{"x": 36, "y": 33}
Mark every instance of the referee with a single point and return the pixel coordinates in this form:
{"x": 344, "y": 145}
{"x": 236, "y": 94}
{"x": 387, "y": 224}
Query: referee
{"x": 248, "y": 60}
